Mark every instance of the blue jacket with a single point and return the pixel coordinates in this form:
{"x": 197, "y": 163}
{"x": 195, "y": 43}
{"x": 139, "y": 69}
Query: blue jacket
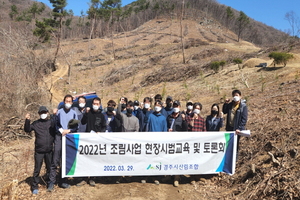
{"x": 157, "y": 122}
{"x": 143, "y": 117}
{"x": 165, "y": 111}
{"x": 213, "y": 125}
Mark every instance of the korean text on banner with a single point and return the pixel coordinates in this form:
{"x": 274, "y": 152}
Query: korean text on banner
{"x": 148, "y": 153}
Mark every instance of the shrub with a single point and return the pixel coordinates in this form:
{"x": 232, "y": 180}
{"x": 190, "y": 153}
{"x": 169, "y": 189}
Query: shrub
{"x": 238, "y": 61}
{"x": 280, "y": 57}
{"x": 215, "y": 66}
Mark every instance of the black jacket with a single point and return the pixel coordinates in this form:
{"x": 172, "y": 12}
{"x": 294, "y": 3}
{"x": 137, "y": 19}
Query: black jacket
{"x": 44, "y": 133}
{"x": 179, "y": 123}
{"x": 94, "y": 120}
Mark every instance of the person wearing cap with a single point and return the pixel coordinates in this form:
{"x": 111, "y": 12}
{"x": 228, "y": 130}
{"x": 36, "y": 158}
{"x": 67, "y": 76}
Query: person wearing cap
{"x": 168, "y": 110}
{"x": 195, "y": 121}
{"x": 136, "y": 106}
{"x": 130, "y": 123}
{"x": 94, "y": 118}
{"x": 44, "y": 129}
{"x": 176, "y": 123}
{"x": 143, "y": 116}
{"x": 63, "y": 117}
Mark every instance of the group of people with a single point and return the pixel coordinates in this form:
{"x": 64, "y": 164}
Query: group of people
{"x": 126, "y": 116}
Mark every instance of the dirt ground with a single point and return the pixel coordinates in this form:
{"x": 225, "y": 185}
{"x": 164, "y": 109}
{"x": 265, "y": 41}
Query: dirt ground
{"x": 268, "y": 164}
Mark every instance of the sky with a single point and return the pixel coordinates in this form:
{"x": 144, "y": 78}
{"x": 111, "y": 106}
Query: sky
{"x": 269, "y": 12}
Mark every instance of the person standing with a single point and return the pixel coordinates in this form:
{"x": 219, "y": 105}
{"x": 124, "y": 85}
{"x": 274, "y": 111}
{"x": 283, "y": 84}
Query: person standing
{"x": 195, "y": 121}
{"x": 94, "y": 118}
{"x": 157, "y": 122}
{"x": 63, "y": 116}
{"x": 214, "y": 121}
{"x": 189, "y": 108}
{"x": 168, "y": 109}
{"x": 112, "y": 123}
{"x": 237, "y": 114}
{"x": 95, "y": 121}
{"x": 44, "y": 129}
{"x": 143, "y": 115}
{"x": 130, "y": 123}
{"x": 176, "y": 123}
{"x": 80, "y": 112}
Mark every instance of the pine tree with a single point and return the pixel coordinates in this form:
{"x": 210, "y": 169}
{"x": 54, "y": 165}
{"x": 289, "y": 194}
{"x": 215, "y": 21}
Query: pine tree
{"x": 242, "y": 22}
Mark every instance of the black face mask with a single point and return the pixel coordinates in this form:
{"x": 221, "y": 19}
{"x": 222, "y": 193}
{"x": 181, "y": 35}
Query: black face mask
{"x": 169, "y": 105}
{"x": 123, "y": 106}
{"x": 110, "y": 109}
{"x": 129, "y": 111}
{"x": 214, "y": 112}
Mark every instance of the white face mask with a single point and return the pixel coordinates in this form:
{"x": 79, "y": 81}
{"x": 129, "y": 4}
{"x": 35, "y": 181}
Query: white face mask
{"x": 176, "y": 110}
{"x": 95, "y": 107}
{"x": 197, "y": 111}
{"x": 68, "y": 105}
{"x": 236, "y": 98}
{"x": 190, "y": 107}
{"x": 136, "y": 107}
{"x": 157, "y": 109}
{"x": 81, "y": 105}
{"x": 44, "y": 116}
{"x": 147, "y": 105}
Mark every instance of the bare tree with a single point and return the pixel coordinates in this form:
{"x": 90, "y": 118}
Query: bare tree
{"x": 294, "y": 22}
{"x": 181, "y": 32}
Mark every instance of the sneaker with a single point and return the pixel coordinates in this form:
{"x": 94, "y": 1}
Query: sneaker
{"x": 65, "y": 185}
{"x": 92, "y": 183}
{"x": 143, "y": 181}
{"x": 50, "y": 187}
{"x": 35, "y": 191}
{"x": 176, "y": 183}
{"x": 156, "y": 182}
{"x": 81, "y": 183}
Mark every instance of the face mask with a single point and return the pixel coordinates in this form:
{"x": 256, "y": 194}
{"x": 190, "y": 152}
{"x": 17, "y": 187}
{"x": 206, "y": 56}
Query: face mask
{"x": 236, "y": 98}
{"x": 129, "y": 110}
{"x": 214, "y": 112}
{"x": 157, "y": 109}
{"x": 123, "y": 105}
{"x": 147, "y": 105}
{"x": 110, "y": 109}
{"x": 44, "y": 116}
{"x": 169, "y": 105}
{"x": 190, "y": 107}
{"x": 176, "y": 110}
{"x": 136, "y": 107}
{"x": 95, "y": 107}
{"x": 68, "y": 105}
{"x": 82, "y": 105}
{"x": 197, "y": 111}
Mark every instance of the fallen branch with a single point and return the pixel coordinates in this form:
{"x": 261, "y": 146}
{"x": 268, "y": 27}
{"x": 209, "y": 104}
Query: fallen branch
{"x": 274, "y": 160}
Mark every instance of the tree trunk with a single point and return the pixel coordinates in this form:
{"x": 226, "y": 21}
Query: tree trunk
{"x": 181, "y": 32}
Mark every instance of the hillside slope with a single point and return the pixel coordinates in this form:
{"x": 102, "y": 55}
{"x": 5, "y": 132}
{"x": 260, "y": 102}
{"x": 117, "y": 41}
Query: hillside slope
{"x": 149, "y": 61}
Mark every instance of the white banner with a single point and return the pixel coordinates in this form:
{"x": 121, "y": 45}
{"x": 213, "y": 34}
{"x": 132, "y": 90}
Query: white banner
{"x": 148, "y": 153}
